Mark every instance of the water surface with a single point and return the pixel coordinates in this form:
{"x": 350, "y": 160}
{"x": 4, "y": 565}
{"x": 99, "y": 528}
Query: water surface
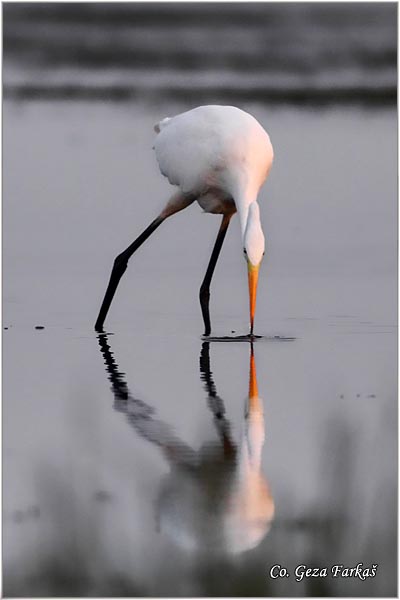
{"x": 82, "y": 484}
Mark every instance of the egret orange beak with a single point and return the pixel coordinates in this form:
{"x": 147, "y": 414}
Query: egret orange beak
{"x": 253, "y": 280}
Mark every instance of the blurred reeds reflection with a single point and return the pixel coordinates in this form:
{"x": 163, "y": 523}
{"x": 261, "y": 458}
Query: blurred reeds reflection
{"x": 202, "y": 53}
{"x": 215, "y": 499}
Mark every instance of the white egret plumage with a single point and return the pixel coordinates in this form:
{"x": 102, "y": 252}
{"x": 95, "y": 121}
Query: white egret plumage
{"x": 219, "y": 156}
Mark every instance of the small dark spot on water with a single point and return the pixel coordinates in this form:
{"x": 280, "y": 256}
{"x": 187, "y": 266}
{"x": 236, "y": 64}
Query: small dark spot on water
{"x": 358, "y": 395}
{"x": 39, "y": 326}
{"x": 301, "y": 318}
{"x": 5, "y": 327}
{"x": 342, "y": 396}
{"x": 34, "y": 512}
{"x": 233, "y": 331}
{"x": 102, "y": 496}
{"x": 371, "y": 396}
{"x": 18, "y": 516}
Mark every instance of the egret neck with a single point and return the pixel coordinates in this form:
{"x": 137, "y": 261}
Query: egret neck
{"x": 253, "y": 247}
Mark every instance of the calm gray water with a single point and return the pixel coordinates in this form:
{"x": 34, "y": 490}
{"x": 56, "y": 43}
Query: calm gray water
{"x": 142, "y": 463}
{"x": 82, "y": 485}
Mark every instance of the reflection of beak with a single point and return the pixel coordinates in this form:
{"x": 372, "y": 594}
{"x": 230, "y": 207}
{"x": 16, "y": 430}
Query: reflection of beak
{"x": 253, "y": 280}
{"x": 253, "y": 389}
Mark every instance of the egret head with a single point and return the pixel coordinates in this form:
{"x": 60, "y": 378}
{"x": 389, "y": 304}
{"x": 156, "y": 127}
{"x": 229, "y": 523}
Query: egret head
{"x": 253, "y": 248}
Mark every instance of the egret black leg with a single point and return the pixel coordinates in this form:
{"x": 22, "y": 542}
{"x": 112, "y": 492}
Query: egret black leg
{"x": 119, "y": 268}
{"x": 216, "y": 403}
{"x": 205, "y": 286}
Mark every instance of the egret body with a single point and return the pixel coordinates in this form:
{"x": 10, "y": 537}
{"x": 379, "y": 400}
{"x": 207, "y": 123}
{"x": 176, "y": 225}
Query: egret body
{"x": 218, "y": 156}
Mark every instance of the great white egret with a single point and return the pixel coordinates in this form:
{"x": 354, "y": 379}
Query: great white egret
{"x": 219, "y": 156}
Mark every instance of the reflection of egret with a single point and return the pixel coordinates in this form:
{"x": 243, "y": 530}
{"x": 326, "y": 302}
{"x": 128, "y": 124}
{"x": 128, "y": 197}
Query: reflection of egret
{"x": 215, "y": 499}
{"x": 219, "y": 156}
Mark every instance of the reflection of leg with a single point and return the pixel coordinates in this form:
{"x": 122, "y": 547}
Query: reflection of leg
{"x": 205, "y": 286}
{"x": 122, "y": 394}
{"x": 223, "y": 427}
{"x": 162, "y": 435}
{"x": 205, "y": 370}
{"x": 215, "y": 403}
{"x": 138, "y": 413}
